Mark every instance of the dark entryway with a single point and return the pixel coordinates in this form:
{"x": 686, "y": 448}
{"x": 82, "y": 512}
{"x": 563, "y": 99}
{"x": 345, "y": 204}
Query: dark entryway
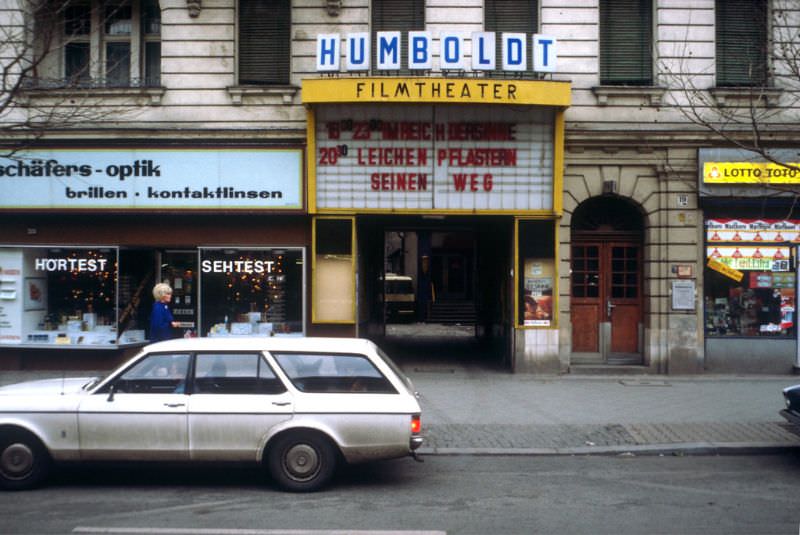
{"x": 459, "y": 272}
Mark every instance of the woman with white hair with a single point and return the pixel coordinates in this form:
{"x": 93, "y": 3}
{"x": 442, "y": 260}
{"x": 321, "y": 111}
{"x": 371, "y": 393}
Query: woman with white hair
{"x": 161, "y": 320}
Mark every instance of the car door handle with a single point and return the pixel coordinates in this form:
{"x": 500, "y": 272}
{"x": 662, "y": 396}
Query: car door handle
{"x": 281, "y": 403}
{"x": 174, "y": 405}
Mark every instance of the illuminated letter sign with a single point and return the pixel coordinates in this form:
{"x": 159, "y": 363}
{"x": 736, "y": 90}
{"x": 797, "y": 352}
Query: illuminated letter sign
{"x": 544, "y": 59}
{"x": 357, "y": 52}
{"x": 483, "y": 51}
{"x": 388, "y": 51}
{"x": 328, "y": 52}
{"x": 514, "y": 52}
{"x": 419, "y": 51}
{"x": 452, "y": 51}
{"x": 452, "y": 55}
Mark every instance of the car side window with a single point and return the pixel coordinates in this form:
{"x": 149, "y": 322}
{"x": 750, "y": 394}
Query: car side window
{"x": 159, "y": 373}
{"x": 333, "y": 373}
{"x": 235, "y": 373}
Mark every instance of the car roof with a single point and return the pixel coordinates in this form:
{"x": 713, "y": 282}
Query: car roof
{"x": 264, "y": 343}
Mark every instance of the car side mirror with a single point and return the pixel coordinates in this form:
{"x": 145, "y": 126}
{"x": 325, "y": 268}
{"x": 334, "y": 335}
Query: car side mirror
{"x": 111, "y": 391}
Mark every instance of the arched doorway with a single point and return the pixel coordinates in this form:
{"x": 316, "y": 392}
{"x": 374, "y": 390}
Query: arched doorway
{"x": 606, "y": 282}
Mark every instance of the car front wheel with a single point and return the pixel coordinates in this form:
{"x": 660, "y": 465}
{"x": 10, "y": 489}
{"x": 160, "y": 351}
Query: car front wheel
{"x": 24, "y": 462}
{"x": 302, "y": 461}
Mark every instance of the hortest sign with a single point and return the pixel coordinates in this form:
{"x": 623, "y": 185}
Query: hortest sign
{"x": 434, "y": 157}
{"x": 150, "y": 178}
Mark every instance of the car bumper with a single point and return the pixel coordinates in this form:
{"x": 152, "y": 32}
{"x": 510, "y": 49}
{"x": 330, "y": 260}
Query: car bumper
{"x": 416, "y": 442}
{"x": 791, "y": 417}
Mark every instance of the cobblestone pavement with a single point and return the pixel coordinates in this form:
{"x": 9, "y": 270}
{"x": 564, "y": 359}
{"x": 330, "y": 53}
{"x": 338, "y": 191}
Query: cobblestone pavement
{"x": 474, "y": 411}
{"x": 564, "y": 439}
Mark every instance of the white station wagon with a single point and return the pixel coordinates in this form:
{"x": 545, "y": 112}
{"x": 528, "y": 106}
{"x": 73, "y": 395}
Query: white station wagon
{"x": 297, "y": 406}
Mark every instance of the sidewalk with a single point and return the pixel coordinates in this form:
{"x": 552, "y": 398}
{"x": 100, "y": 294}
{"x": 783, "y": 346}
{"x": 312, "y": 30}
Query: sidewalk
{"x": 469, "y": 410}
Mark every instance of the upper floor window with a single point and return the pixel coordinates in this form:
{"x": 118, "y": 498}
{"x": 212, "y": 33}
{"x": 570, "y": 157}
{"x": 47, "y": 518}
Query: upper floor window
{"x": 264, "y": 42}
{"x": 519, "y": 16}
{"x": 741, "y": 32}
{"x": 400, "y": 16}
{"x": 626, "y": 42}
{"x": 112, "y": 44}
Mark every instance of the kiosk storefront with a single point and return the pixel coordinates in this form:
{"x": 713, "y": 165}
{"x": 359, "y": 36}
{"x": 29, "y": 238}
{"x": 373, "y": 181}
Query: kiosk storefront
{"x": 750, "y": 276}
{"x": 86, "y": 233}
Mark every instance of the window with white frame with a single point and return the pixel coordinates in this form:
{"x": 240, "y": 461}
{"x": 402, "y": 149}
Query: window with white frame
{"x": 113, "y": 43}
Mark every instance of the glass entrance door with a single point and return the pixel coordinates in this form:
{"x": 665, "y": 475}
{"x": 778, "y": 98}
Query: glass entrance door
{"x": 179, "y": 270}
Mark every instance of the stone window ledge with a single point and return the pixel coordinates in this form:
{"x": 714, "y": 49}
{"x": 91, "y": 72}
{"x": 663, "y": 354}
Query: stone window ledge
{"x": 651, "y": 94}
{"x": 286, "y": 93}
{"x": 732, "y": 96}
{"x": 152, "y": 94}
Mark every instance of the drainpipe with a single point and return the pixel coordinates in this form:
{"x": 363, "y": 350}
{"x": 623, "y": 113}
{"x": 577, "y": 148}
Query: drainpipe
{"x": 796, "y": 311}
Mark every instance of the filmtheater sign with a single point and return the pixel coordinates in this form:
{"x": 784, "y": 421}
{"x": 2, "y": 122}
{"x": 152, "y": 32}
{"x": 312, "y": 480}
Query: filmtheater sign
{"x": 435, "y": 143}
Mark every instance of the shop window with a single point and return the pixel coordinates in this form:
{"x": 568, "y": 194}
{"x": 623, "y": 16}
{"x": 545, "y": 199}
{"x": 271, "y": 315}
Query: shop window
{"x": 519, "y": 16}
{"x": 536, "y": 268}
{"x": 179, "y": 270}
{"x": 400, "y": 16}
{"x": 251, "y": 292}
{"x": 333, "y": 271}
{"x": 626, "y": 42}
{"x": 264, "y": 42}
{"x": 741, "y": 42}
{"x": 62, "y": 296}
{"x": 103, "y": 44}
{"x": 750, "y": 278}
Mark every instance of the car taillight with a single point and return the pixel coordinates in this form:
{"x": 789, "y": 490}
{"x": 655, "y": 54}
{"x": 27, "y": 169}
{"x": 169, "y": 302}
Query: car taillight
{"x": 416, "y": 424}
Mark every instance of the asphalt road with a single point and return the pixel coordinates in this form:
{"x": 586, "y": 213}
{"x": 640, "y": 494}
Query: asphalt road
{"x": 457, "y": 495}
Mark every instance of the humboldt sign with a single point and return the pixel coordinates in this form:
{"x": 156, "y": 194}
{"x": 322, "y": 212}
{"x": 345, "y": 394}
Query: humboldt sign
{"x": 453, "y": 51}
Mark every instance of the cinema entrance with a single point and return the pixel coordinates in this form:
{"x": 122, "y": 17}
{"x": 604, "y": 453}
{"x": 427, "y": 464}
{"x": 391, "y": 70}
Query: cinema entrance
{"x": 435, "y": 217}
{"x": 434, "y": 291}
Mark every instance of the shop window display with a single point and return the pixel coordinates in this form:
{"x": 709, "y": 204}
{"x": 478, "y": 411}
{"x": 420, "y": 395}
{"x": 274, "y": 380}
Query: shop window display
{"x": 59, "y": 295}
{"x": 750, "y": 278}
{"x": 762, "y": 304}
{"x": 251, "y": 292}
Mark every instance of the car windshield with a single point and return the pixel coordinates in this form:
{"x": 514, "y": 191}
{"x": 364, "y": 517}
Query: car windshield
{"x": 399, "y": 287}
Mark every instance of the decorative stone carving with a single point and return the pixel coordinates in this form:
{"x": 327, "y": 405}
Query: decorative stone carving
{"x": 194, "y": 7}
{"x": 333, "y": 7}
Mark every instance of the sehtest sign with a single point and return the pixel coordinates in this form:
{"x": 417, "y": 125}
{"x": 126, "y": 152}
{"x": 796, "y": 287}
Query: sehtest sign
{"x": 454, "y": 51}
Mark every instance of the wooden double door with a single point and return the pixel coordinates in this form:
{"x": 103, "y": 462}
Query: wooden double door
{"x": 606, "y": 311}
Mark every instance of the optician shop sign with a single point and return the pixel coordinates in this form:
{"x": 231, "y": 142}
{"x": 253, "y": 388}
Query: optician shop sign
{"x": 150, "y": 178}
{"x": 412, "y": 157}
{"x": 453, "y": 51}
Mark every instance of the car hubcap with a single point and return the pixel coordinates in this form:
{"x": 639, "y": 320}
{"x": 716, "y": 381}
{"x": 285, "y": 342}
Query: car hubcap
{"x": 17, "y": 460}
{"x": 302, "y": 462}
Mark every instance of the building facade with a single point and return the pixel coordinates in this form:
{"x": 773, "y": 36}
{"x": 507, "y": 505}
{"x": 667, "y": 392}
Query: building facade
{"x": 556, "y": 181}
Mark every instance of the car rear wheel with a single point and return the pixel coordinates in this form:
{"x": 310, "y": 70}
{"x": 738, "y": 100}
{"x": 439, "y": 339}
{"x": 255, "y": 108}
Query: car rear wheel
{"x": 302, "y": 461}
{"x": 24, "y": 462}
